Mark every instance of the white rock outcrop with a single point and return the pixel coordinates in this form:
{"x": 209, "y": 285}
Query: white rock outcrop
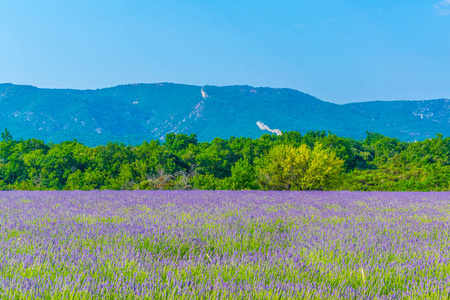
{"x": 263, "y": 126}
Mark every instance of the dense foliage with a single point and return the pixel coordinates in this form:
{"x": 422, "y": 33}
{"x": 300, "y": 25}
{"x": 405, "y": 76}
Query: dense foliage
{"x": 314, "y": 161}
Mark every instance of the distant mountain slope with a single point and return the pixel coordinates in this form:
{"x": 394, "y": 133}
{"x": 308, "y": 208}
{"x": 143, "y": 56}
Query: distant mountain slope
{"x": 138, "y": 112}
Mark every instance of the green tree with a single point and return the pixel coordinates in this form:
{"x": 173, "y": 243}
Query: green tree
{"x": 204, "y": 182}
{"x": 177, "y": 142}
{"x": 87, "y": 180}
{"x": 289, "y": 168}
{"x": 6, "y": 136}
{"x": 243, "y": 176}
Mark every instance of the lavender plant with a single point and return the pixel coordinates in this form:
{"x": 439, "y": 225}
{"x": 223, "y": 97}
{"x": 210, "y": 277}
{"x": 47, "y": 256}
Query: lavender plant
{"x": 224, "y": 245}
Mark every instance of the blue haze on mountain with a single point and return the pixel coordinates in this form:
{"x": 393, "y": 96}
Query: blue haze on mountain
{"x": 142, "y": 112}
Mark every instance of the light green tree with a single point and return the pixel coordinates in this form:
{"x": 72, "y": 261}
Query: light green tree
{"x": 286, "y": 167}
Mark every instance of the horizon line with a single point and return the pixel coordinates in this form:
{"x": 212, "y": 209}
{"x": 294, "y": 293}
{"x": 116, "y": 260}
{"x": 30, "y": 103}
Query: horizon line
{"x": 219, "y": 86}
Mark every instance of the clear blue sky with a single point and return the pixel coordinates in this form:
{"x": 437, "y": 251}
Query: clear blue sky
{"x": 337, "y": 50}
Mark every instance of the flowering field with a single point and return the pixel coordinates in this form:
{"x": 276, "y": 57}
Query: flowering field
{"x": 221, "y": 245}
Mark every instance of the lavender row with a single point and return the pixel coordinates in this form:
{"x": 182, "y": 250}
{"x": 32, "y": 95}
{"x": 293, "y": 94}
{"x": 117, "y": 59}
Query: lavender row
{"x": 227, "y": 244}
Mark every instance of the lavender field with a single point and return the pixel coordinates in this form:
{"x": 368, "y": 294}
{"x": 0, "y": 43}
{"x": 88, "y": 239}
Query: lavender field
{"x": 224, "y": 245}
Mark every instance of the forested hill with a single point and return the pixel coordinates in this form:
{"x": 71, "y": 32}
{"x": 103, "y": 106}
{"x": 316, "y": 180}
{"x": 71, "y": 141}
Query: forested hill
{"x": 292, "y": 161}
{"x": 135, "y": 113}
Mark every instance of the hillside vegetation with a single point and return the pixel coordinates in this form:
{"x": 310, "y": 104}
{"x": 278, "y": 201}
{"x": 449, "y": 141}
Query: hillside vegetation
{"x": 292, "y": 161}
{"x": 133, "y": 114}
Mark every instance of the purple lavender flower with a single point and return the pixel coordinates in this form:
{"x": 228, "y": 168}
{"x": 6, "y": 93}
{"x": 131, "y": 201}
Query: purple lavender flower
{"x": 224, "y": 244}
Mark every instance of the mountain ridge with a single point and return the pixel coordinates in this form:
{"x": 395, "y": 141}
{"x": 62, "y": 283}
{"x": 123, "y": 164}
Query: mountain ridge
{"x": 132, "y": 113}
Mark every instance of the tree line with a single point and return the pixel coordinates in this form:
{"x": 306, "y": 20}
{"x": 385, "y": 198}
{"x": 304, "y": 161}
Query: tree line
{"x": 313, "y": 161}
